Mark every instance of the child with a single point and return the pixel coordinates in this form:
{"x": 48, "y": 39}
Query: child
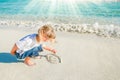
{"x": 30, "y": 45}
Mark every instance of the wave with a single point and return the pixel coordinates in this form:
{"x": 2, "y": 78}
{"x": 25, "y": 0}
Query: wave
{"x": 106, "y": 30}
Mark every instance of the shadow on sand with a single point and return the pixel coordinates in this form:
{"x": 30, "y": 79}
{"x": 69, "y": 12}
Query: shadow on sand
{"x": 8, "y": 58}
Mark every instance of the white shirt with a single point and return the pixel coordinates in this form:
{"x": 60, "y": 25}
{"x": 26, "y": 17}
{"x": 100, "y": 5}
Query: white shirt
{"x": 26, "y": 43}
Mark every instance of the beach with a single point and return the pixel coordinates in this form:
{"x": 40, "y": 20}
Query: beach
{"x": 87, "y": 38}
{"x": 84, "y": 57}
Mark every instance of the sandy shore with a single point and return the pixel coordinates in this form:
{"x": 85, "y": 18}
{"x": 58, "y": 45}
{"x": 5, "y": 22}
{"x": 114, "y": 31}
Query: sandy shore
{"x": 84, "y": 57}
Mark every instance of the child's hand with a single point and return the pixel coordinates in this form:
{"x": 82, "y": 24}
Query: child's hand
{"x": 53, "y": 50}
{"x": 49, "y": 49}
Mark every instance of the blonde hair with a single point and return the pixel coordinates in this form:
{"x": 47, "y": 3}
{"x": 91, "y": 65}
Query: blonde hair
{"x": 48, "y": 30}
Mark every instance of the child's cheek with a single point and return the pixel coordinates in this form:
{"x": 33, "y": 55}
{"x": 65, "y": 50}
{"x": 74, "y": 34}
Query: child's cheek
{"x": 44, "y": 39}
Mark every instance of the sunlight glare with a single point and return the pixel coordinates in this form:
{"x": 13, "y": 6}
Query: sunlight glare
{"x": 57, "y": 7}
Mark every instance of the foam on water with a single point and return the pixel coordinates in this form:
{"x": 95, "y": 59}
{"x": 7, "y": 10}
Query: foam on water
{"x": 107, "y": 30}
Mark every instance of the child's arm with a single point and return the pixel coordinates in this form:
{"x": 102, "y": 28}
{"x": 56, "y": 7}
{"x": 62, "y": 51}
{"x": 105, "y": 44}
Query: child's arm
{"x": 49, "y": 49}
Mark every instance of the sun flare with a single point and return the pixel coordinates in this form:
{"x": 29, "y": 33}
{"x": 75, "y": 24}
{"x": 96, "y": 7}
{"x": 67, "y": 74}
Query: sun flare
{"x": 58, "y": 7}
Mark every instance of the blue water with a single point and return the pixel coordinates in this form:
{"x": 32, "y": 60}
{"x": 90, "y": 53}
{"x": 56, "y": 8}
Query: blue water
{"x": 104, "y": 11}
{"x": 12, "y": 7}
{"x": 43, "y": 7}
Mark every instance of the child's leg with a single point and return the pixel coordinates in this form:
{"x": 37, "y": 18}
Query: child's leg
{"x": 13, "y": 51}
{"x": 32, "y": 52}
{"x": 28, "y": 61}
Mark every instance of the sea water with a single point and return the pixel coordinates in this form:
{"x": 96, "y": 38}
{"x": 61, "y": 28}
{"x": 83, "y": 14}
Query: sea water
{"x": 88, "y": 14}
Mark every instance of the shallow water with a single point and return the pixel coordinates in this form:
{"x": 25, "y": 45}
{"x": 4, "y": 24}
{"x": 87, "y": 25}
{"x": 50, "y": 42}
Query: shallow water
{"x": 60, "y": 8}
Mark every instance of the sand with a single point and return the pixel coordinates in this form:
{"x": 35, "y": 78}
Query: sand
{"x": 84, "y": 57}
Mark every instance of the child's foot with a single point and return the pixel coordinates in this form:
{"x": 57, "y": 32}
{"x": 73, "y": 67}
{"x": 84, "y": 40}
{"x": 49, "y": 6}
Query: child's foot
{"x": 29, "y": 62}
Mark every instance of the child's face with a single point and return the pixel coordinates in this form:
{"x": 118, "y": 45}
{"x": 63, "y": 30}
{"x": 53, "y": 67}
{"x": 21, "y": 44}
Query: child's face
{"x": 44, "y": 38}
